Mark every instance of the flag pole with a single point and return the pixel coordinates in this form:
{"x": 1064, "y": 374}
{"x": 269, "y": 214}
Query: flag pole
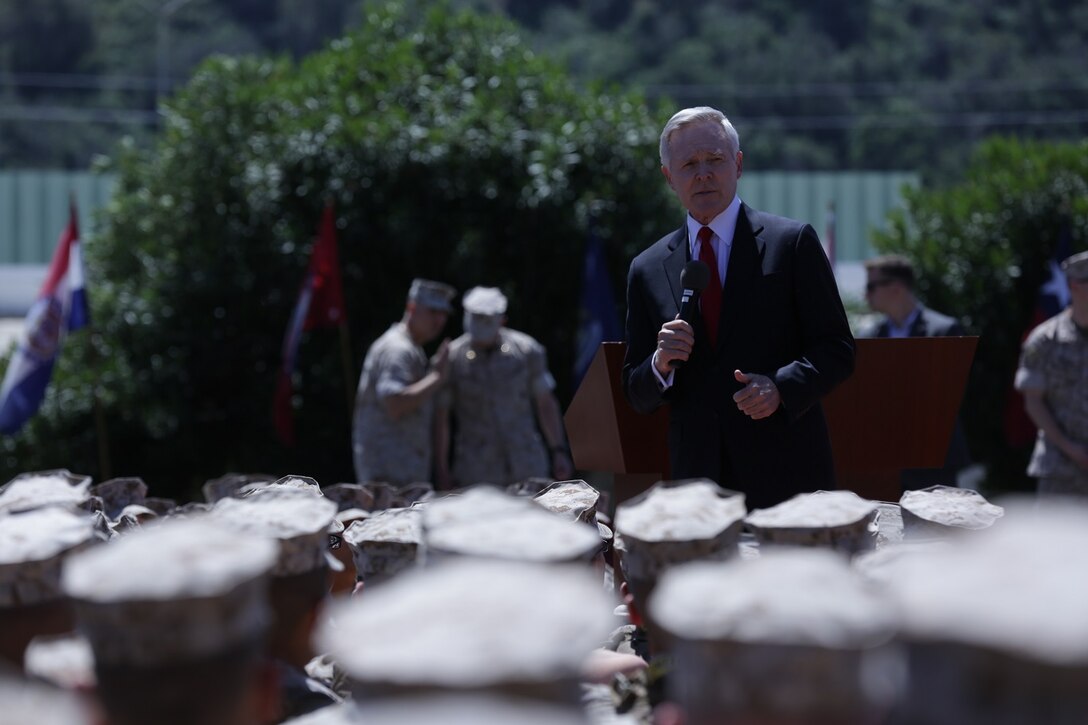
{"x": 104, "y": 468}
{"x": 346, "y": 363}
{"x": 349, "y": 368}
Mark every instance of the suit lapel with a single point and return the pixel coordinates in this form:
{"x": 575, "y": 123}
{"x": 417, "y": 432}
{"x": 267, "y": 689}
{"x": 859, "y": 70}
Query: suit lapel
{"x": 674, "y": 263}
{"x": 918, "y": 329}
{"x": 674, "y": 266}
{"x": 745, "y": 266}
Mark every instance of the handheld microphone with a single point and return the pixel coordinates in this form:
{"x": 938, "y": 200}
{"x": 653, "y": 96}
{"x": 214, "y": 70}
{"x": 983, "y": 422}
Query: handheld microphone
{"x": 693, "y": 279}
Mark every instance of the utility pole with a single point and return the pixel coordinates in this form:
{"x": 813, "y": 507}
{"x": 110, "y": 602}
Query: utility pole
{"x": 162, "y": 43}
{"x": 163, "y": 13}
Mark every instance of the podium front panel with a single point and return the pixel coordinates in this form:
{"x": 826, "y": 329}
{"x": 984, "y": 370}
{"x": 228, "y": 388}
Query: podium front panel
{"x": 899, "y": 407}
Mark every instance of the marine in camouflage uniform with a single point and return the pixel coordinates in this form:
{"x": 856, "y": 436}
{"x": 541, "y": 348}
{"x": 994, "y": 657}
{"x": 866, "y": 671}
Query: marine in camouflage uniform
{"x": 1053, "y": 376}
{"x": 33, "y": 547}
{"x": 392, "y": 424}
{"x": 630, "y": 696}
{"x": 293, "y": 513}
{"x": 182, "y": 646}
{"x": 508, "y": 427}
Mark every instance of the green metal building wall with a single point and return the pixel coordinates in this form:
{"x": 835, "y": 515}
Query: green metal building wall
{"x": 34, "y": 206}
{"x": 862, "y": 201}
{"x": 34, "y": 210}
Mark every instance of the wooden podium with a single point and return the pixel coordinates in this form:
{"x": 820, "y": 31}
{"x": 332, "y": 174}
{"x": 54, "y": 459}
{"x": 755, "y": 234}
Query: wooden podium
{"x": 896, "y": 411}
{"x": 607, "y": 435}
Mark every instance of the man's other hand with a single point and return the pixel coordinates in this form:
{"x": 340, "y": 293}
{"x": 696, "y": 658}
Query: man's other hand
{"x": 759, "y": 398}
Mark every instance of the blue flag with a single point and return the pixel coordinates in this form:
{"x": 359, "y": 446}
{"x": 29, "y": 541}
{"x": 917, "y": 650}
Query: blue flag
{"x": 1054, "y": 291}
{"x": 597, "y": 318}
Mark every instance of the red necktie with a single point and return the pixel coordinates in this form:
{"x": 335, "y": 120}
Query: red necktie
{"x": 711, "y": 301}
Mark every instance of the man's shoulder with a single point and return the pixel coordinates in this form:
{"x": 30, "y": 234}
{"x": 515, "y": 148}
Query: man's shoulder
{"x": 460, "y": 344}
{"x": 938, "y": 323}
{"x": 658, "y": 250}
{"x": 1049, "y": 329}
{"x": 771, "y": 222}
{"x": 392, "y": 334}
{"x": 392, "y": 347}
{"x": 520, "y": 339}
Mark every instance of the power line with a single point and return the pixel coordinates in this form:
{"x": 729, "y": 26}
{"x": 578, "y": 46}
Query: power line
{"x": 870, "y": 89}
{"x": 81, "y": 81}
{"x": 72, "y": 114}
{"x": 747, "y": 90}
{"x": 979, "y": 119}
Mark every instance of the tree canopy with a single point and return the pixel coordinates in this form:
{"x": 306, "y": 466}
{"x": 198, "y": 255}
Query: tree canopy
{"x": 812, "y": 84}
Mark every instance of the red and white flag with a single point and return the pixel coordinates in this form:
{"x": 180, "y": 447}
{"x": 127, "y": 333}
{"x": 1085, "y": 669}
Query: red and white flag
{"x": 61, "y": 307}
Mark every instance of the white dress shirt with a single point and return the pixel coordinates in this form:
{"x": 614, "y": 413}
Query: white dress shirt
{"x": 723, "y": 226}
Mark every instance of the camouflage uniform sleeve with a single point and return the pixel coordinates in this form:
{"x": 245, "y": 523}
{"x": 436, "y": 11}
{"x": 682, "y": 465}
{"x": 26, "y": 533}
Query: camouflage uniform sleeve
{"x": 397, "y": 370}
{"x": 446, "y": 394}
{"x": 540, "y": 380}
{"x": 1031, "y": 372}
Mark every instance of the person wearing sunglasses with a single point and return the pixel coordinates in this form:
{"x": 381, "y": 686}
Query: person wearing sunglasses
{"x": 890, "y": 291}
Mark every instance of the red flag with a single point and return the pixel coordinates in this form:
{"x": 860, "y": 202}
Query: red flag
{"x": 327, "y": 301}
{"x": 320, "y": 304}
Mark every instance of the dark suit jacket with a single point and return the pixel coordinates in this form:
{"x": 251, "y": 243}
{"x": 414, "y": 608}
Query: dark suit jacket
{"x": 928, "y": 324}
{"x": 932, "y": 324}
{"x": 781, "y": 317}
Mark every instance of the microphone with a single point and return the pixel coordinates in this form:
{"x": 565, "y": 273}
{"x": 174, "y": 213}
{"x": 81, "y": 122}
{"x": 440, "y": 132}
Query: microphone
{"x": 693, "y": 279}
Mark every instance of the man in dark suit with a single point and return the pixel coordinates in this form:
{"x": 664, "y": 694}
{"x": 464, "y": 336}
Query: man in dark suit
{"x": 771, "y": 338}
{"x": 889, "y": 290}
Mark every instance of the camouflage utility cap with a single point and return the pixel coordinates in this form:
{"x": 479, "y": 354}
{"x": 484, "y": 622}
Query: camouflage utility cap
{"x": 436, "y": 295}
{"x": 175, "y": 591}
{"x": 297, "y": 518}
{"x": 1076, "y": 266}
{"x": 33, "y": 546}
{"x": 44, "y": 488}
{"x": 484, "y": 301}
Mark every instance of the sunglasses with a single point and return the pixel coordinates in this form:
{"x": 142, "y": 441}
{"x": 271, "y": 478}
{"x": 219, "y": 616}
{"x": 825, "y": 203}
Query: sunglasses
{"x": 870, "y": 286}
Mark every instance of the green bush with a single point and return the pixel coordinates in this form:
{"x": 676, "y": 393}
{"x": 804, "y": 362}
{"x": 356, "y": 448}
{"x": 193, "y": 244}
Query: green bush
{"x": 450, "y": 151}
{"x": 982, "y": 247}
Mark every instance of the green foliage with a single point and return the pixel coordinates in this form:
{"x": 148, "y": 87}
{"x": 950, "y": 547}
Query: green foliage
{"x": 450, "y": 150}
{"x": 840, "y": 84}
{"x": 813, "y": 84}
{"x": 982, "y": 247}
{"x": 84, "y": 74}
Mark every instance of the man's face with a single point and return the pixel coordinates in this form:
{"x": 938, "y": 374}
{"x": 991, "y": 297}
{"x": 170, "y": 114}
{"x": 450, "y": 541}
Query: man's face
{"x": 702, "y": 170}
{"x": 427, "y": 322}
{"x": 483, "y": 329}
{"x": 878, "y": 290}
